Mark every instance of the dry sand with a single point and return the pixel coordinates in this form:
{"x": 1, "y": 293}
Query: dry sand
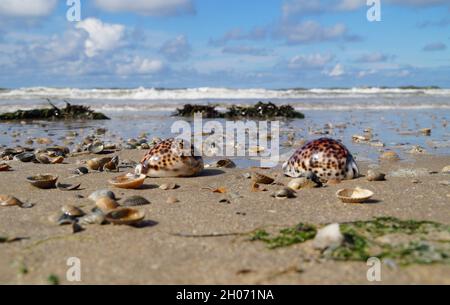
{"x": 152, "y": 254}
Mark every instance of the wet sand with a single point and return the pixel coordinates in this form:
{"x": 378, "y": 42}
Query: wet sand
{"x": 154, "y": 254}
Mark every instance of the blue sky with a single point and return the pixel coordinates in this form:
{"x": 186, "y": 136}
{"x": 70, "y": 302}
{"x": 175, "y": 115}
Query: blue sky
{"x": 224, "y": 43}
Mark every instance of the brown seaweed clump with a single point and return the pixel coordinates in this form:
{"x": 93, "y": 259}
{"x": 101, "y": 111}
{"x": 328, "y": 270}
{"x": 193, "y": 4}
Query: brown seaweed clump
{"x": 70, "y": 112}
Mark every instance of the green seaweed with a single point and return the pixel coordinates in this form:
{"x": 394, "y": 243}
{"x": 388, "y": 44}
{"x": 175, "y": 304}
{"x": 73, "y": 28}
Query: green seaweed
{"x": 298, "y": 234}
{"x": 53, "y": 279}
{"x": 361, "y": 241}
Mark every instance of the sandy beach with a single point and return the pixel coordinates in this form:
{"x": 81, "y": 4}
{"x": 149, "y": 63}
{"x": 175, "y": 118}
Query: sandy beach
{"x": 200, "y": 240}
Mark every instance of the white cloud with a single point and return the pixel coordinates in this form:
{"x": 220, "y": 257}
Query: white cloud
{"x": 102, "y": 36}
{"x": 148, "y": 7}
{"x": 27, "y": 8}
{"x": 138, "y": 65}
{"x": 374, "y": 58}
{"x": 176, "y": 49}
{"x": 312, "y": 61}
{"x": 337, "y": 71}
{"x": 311, "y": 31}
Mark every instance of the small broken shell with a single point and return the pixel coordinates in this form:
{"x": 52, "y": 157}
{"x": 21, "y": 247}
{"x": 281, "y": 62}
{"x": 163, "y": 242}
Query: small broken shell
{"x": 8, "y": 201}
{"x": 172, "y": 200}
{"x": 356, "y": 195}
{"x": 373, "y": 175}
{"x": 72, "y": 211}
{"x": 24, "y": 157}
{"x": 96, "y": 148}
{"x": 390, "y": 156}
{"x": 106, "y": 204}
{"x": 4, "y": 167}
{"x": 262, "y": 179}
{"x": 125, "y": 216}
{"x": 128, "y": 181}
{"x": 226, "y": 163}
{"x": 284, "y": 193}
{"x": 96, "y": 217}
{"x": 135, "y": 201}
{"x": 57, "y": 160}
{"x": 98, "y": 163}
{"x": 168, "y": 186}
{"x": 100, "y": 194}
{"x": 43, "y": 181}
{"x": 43, "y": 159}
{"x": 80, "y": 171}
{"x": 67, "y": 187}
{"x": 112, "y": 165}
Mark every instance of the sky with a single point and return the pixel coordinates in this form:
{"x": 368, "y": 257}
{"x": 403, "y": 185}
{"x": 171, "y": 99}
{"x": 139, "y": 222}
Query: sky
{"x": 224, "y": 43}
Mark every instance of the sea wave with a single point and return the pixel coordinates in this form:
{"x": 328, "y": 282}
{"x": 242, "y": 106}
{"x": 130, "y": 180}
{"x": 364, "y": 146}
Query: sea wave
{"x": 212, "y": 93}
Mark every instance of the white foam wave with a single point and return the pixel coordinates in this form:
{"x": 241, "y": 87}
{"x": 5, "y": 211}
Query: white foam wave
{"x": 211, "y": 93}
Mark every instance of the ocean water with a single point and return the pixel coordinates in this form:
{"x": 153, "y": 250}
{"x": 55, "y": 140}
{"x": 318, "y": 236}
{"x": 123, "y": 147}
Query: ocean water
{"x": 394, "y": 115}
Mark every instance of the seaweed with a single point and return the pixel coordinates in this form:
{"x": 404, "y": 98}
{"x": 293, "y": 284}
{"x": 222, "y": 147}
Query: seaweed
{"x": 287, "y": 237}
{"x": 258, "y": 111}
{"x": 208, "y": 111}
{"x": 362, "y": 241}
{"x": 70, "y": 112}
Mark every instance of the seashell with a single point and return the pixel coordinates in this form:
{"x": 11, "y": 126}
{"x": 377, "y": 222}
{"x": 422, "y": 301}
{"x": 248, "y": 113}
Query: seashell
{"x": 285, "y": 192}
{"x": 8, "y": 201}
{"x": 356, "y": 195}
{"x": 168, "y": 186}
{"x": 389, "y": 156}
{"x": 44, "y": 141}
{"x": 72, "y": 211}
{"x": 80, "y": 171}
{"x": 96, "y": 148}
{"x": 43, "y": 181}
{"x": 112, "y": 165}
{"x": 226, "y": 163}
{"x": 59, "y": 151}
{"x": 373, "y": 175}
{"x": 135, "y": 201}
{"x": 43, "y": 159}
{"x": 97, "y": 163}
{"x": 425, "y": 131}
{"x": 125, "y": 216}
{"x": 302, "y": 183}
{"x": 328, "y": 237}
{"x": 4, "y": 167}
{"x": 67, "y": 187}
{"x": 100, "y": 194}
{"x": 172, "y": 200}
{"x": 76, "y": 228}
{"x": 106, "y": 204}
{"x": 24, "y": 157}
{"x": 57, "y": 160}
{"x": 128, "y": 181}
{"x": 96, "y": 217}
{"x": 261, "y": 179}
{"x": 446, "y": 169}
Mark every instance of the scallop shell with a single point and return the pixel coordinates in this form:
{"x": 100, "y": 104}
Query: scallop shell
{"x": 106, "y": 204}
{"x": 125, "y": 216}
{"x": 135, "y": 201}
{"x": 128, "y": 181}
{"x": 356, "y": 195}
{"x": 262, "y": 179}
{"x": 43, "y": 181}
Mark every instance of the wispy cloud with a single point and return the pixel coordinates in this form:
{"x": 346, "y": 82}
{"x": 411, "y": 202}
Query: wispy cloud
{"x": 436, "y": 46}
{"x": 148, "y": 7}
{"x": 176, "y": 49}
